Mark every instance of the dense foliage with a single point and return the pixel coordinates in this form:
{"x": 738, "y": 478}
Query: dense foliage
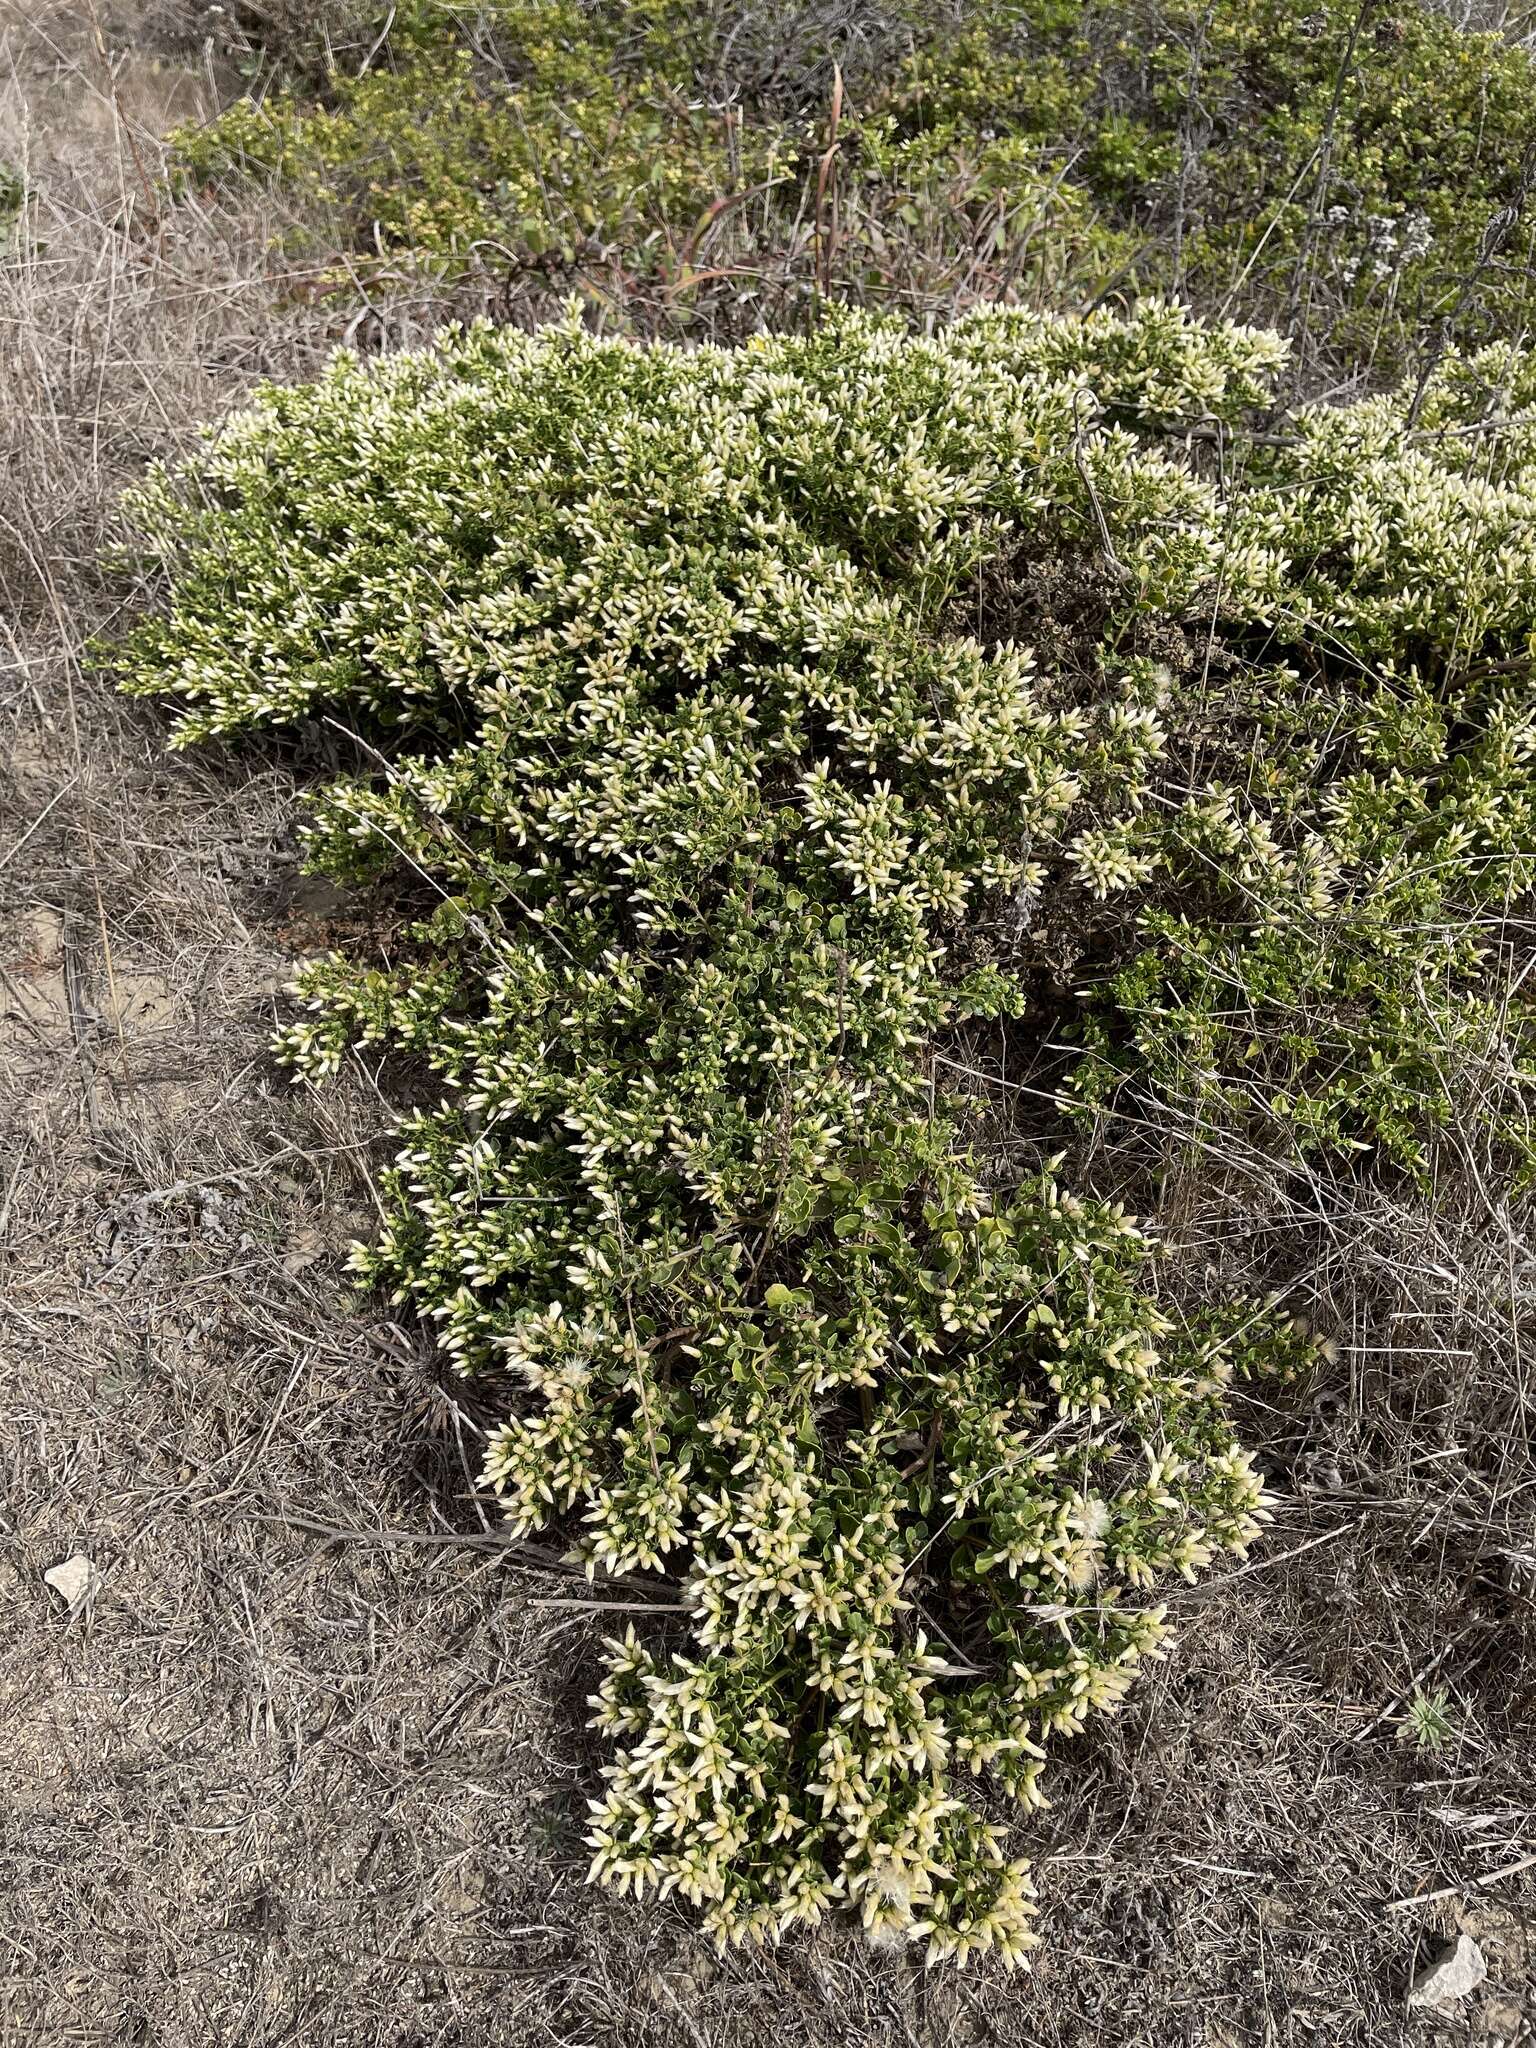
{"x": 1355, "y": 175}
{"x": 433, "y": 159}
{"x": 688, "y": 684}
{"x": 1356, "y": 178}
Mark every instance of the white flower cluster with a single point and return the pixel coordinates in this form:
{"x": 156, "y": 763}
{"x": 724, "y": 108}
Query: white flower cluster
{"x": 1381, "y": 244}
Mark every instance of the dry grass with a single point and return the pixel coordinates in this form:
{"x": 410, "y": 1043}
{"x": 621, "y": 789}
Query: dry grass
{"x": 309, "y": 1767}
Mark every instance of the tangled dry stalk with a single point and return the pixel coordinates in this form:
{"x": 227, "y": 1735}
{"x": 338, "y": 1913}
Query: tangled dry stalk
{"x": 308, "y": 1766}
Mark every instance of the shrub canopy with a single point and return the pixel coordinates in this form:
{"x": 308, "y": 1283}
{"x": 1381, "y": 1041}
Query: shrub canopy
{"x": 758, "y": 858}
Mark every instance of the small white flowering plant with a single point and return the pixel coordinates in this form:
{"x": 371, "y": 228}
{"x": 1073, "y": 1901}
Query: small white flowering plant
{"x": 682, "y": 674}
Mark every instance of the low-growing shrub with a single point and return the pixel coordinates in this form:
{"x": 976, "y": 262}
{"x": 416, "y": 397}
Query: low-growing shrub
{"x": 431, "y": 160}
{"x": 1358, "y": 180}
{"x": 1355, "y": 176}
{"x": 614, "y": 147}
{"x": 696, "y": 688}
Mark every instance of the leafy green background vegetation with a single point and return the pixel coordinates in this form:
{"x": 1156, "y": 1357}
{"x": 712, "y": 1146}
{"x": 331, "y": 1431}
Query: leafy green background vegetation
{"x": 1355, "y": 177}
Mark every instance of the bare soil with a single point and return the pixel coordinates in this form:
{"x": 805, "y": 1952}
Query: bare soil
{"x": 308, "y": 1765}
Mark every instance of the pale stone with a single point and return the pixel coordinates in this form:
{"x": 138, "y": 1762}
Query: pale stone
{"x": 75, "y": 1580}
{"x": 1455, "y": 1976}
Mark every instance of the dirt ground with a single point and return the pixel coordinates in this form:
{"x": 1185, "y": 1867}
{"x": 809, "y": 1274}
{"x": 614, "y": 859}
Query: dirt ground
{"x": 306, "y": 1763}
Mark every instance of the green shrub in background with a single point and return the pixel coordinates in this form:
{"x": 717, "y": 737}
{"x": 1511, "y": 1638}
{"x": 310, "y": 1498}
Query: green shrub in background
{"x": 1353, "y": 173}
{"x": 437, "y": 159}
{"x": 695, "y": 702}
{"x": 610, "y": 145}
{"x": 1355, "y": 177}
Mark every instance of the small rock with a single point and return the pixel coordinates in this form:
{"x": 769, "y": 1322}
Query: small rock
{"x": 75, "y": 1581}
{"x": 1456, "y": 1975}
